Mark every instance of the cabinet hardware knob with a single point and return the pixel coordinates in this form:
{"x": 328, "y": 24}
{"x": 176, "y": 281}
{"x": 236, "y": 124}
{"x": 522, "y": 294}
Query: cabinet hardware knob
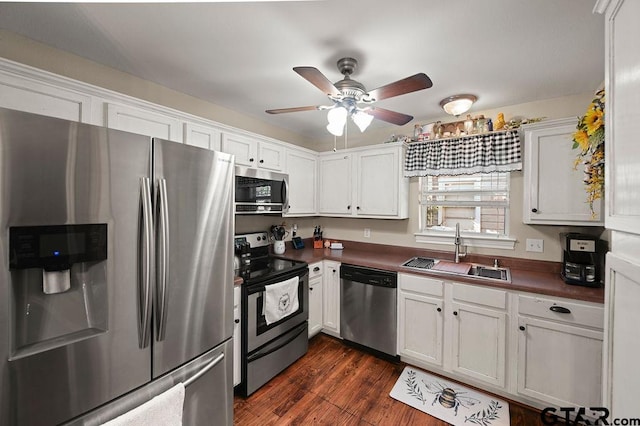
{"x": 251, "y": 160}
{"x": 334, "y": 271}
{"x": 534, "y": 210}
{"x": 349, "y": 207}
{"x": 358, "y": 208}
{"x": 261, "y": 161}
{"x": 560, "y": 309}
{"x": 455, "y": 313}
{"x": 310, "y": 288}
{"x": 237, "y": 321}
{"x": 439, "y": 309}
{"x": 522, "y": 328}
{"x": 316, "y": 269}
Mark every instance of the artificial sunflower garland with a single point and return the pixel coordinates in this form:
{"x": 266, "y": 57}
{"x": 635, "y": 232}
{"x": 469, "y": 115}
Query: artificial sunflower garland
{"x": 589, "y": 139}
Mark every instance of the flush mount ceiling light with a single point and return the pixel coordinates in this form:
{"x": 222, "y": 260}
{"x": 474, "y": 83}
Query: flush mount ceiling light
{"x": 457, "y": 104}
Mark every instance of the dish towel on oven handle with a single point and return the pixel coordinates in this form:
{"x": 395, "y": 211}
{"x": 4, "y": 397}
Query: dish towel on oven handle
{"x": 280, "y": 300}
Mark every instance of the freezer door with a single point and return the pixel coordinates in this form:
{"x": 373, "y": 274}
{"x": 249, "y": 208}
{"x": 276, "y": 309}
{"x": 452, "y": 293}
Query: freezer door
{"x": 64, "y": 354}
{"x": 194, "y": 256}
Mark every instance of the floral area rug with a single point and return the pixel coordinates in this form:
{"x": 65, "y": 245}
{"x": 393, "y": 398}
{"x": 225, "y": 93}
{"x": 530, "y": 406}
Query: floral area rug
{"x": 449, "y": 401}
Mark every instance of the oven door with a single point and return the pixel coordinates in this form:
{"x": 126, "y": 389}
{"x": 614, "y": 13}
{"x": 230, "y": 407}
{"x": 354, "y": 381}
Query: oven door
{"x": 258, "y": 333}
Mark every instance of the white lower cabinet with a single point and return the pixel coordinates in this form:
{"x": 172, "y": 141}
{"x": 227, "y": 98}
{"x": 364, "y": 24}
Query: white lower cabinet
{"x": 479, "y": 328}
{"x": 331, "y": 298}
{"x": 237, "y": 375}
{"x": 560, "y": 351}
{"x": 315, "y": 298}
{"x": 539, "y": 350}
{"x": 420, "y": 318}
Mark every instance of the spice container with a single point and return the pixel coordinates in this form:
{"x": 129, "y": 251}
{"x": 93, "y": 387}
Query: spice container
{"x": 468, "y": 125}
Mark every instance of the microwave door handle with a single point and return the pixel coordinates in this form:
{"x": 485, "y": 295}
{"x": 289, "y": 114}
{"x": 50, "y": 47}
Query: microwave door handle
{"x": 162, "y": 271}
{"x": 146, "y": 249}
{"x": 285, "y": 203}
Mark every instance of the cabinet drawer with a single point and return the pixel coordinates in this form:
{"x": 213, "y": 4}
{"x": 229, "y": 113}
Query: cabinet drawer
{"x": 421, "y": 285}
{"x": 578, "y": 313}
{"x": 315, "y": 269}
{"x": 480, "y": 295}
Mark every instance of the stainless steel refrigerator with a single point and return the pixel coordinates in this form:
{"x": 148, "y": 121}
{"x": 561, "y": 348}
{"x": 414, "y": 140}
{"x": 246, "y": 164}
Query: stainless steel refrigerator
{"x": 116, "y": 273}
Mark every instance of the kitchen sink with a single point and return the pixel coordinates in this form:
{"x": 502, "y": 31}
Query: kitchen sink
{"x": 490, "y": 272}
{"x": 493, "y": 273}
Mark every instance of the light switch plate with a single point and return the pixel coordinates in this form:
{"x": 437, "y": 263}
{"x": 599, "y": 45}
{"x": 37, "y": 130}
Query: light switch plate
{"x": 535, "y": 245}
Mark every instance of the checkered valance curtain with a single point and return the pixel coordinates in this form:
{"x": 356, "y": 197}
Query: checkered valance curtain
{"x": 491, "y": 152}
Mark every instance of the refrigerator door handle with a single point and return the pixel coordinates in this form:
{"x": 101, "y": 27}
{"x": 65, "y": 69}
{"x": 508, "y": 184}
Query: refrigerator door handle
{"x": 146, "y": 248}
{"x": 162, "y": 271}
{"x": 204, "y": 370}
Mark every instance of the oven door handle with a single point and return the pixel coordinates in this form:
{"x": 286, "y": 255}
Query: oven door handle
{"x": 267, "y": 350}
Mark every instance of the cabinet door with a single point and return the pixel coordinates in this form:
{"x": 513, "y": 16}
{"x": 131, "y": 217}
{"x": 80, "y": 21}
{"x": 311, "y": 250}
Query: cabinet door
{"x": 331, "y": 298}
{"x": 377, "y": 182}
{"x": 479, "y": 343}
{"x": 549, "y": 160}
{"x": 623, "y": 338}
{"x": 315, "y": 305}
{"x": 27, "y": 95}
{"x": 559, "y": 363}
{"x": 420, "y": 327}
{"x": 245, "y": 149}
{"x": 270, "y": 156}
{"x": 335, "y": 185}
{"x": 143, "y": 122}
{"x": 302, "y": 170}
{"x": 202, "y": 136}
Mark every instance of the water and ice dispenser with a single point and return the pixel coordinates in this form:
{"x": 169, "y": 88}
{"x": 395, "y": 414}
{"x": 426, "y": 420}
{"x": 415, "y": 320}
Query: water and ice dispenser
{"x": 54, "y": 249}
{"x": 58, "y": 277}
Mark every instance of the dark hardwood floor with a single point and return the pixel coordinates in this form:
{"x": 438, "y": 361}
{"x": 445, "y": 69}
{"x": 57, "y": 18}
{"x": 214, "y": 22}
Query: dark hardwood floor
{"x": 335, "y": 384}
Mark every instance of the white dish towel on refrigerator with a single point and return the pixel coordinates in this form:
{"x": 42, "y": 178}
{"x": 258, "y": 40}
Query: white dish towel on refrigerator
{"x": 162, "y": 410}
{"x": 280, "y": 300}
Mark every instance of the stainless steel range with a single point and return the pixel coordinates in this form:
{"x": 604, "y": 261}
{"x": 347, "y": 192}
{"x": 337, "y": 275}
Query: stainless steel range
{"x": 275, "y": 309}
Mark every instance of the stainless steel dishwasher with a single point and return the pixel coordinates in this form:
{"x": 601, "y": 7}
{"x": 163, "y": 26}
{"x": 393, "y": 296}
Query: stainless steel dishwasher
{"x": 368, "y": 307}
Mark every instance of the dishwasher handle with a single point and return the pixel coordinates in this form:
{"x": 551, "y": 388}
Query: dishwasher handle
{"x": 370, "y": 276}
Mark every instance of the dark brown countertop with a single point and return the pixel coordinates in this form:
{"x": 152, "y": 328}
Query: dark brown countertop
{"x": 526, "y": 275}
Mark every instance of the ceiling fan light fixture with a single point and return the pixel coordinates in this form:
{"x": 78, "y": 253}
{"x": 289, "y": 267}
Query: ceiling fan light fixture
{"x": 337, "y": 118}
{"x": 362, "y": 120}
{"x": 457, "y": 104}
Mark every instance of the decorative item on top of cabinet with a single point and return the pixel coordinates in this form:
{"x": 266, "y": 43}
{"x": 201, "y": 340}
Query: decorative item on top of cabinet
{"x": 315, "y": 298}
{"x": 553, "y": 189}
{"x": 364, "y": 182}
{"x": 254, "y": 152}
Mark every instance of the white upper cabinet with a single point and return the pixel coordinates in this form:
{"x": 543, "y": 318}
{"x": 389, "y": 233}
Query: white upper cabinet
{"x": 364, "y": 182}
{"x": 27, "y": 95}
{"x": 144, "y": 122}
{"x": 252, "y": 152}
{"x": 335, "y": 184}
{"x": 202, "y": 136}
{"x": 302, "y": 168}
{"x": 554, "y": 192}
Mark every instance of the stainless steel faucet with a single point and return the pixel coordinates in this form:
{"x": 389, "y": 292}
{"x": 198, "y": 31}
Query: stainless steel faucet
{"x": 456, "y": 241}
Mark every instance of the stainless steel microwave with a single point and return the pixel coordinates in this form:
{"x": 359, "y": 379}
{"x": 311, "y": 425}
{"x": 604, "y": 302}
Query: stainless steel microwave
{"x": 261, "y": 191}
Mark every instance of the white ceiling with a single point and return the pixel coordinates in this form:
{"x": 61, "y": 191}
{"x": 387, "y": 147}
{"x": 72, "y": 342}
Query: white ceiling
{"x": 240, "y": 55}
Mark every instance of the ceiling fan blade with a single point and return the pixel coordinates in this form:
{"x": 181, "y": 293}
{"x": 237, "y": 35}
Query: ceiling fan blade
{"x": 315, "y": 77}
{"x": 410, "y": 84}
{"x": 389, "y": 116}
{"x": 295, "y": 109}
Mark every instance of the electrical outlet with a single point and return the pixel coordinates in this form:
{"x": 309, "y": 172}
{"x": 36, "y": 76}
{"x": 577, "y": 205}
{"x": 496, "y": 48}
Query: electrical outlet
{"x": 535, "y": 245}
{"x": 367, "y": 232}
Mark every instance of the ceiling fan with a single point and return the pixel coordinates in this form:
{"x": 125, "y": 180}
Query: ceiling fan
{"x": 350, "y": 98}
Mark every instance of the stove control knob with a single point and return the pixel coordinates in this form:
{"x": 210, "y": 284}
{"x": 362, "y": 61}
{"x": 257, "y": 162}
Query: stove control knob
{"x": 258, "y": 238}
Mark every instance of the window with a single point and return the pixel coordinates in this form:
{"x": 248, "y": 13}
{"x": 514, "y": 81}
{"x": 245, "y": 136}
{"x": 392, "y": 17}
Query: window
{"x": 478, "y": 202}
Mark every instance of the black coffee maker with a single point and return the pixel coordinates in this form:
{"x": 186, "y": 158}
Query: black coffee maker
{"x": 582, "y": 259}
